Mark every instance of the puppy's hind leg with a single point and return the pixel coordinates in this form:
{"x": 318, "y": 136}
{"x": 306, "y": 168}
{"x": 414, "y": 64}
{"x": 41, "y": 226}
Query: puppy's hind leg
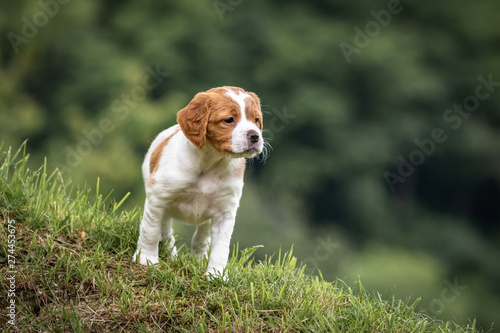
{"x": 167, "y": 234}
{"x": 201, "y": 240}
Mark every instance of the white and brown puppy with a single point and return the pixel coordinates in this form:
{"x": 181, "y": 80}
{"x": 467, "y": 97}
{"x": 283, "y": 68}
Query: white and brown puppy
{"x": 193, "y": 172}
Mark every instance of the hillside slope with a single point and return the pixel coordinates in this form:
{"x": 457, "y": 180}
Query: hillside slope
{"x": 67, "y": 267}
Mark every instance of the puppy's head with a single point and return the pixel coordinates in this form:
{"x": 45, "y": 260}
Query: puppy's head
{"x": 229, "y": 118}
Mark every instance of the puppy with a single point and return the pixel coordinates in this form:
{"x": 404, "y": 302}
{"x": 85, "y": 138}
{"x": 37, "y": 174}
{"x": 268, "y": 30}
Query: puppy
{"x": 193, "y": 172}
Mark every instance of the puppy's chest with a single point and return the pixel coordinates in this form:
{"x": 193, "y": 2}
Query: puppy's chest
{"x": 203, "y": 192}
{"x": 199, "y": 200}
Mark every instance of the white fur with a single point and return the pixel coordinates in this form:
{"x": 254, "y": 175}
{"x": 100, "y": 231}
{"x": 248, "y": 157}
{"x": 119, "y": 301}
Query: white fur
{"x": 198, "y": 186}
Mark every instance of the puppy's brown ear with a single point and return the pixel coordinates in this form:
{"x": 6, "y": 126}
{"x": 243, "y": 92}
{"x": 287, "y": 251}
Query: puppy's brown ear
{"x": 193, "y": 119}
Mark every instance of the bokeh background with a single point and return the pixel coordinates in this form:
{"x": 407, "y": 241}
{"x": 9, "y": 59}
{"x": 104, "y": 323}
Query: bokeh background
{"x": 384, "y": 117}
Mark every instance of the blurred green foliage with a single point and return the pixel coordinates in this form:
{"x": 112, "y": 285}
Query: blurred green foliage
{"x": 91, "y": 83}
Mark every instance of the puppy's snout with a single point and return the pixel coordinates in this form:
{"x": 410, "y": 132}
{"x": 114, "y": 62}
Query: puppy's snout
{"x": 253, "y": 136}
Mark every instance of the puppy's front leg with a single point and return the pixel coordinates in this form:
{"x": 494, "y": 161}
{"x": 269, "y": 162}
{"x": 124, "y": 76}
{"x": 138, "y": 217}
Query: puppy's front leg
{"x": 149, "y": 233}
{"x": 221, "y": 229}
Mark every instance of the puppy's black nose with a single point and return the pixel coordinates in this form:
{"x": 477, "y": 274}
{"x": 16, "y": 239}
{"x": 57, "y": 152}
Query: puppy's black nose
{"x": 253, "y": 136}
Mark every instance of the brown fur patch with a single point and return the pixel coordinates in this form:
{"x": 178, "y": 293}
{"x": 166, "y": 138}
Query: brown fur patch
{"x": 252, "y": 110}
{"x": 193, "y": 119}
{"x": 219, "y": 132}
{"x": 154, "y": 162}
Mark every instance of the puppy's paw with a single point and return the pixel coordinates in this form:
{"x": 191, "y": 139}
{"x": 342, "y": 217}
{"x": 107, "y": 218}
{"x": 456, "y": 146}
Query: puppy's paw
{"x": 214, "y": 273}
{"x": 172, "y": 252}
{"x": 145, "y": 258}
{"x": 201, "y": 255}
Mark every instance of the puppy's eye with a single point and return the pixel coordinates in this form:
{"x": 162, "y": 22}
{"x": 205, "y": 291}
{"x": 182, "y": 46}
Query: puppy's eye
{"x": 229, "y": 120}
{"x": 257, "y": 120}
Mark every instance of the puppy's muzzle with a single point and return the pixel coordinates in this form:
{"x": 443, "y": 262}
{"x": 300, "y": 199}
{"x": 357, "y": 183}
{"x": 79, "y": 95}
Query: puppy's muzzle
{"x": 253, "y": 137}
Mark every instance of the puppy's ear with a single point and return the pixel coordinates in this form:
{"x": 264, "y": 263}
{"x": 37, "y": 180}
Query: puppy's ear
{"x": 193, "y": 119}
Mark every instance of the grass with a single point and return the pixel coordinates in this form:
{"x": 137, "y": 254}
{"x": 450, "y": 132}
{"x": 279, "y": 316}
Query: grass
{"x": 74, "y": 273}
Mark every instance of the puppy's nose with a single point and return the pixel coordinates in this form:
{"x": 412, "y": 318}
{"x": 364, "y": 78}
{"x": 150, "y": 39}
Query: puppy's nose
{"x": 253, "y": 136}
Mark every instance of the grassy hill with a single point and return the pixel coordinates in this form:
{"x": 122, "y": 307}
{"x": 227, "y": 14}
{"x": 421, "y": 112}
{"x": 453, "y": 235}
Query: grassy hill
{"x": 67, "y": 267}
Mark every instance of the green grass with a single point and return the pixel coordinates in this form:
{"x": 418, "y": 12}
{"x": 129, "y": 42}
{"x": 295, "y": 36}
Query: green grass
{"x": 73, "y": 254}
